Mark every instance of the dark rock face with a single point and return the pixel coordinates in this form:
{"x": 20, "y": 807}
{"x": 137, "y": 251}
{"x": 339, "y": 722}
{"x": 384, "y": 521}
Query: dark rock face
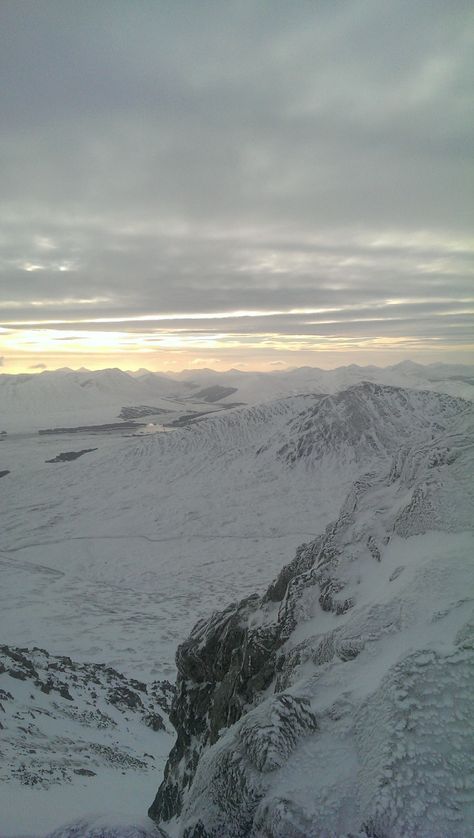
{"x": 222, "y": 666}
{"x": 230, "y": 659}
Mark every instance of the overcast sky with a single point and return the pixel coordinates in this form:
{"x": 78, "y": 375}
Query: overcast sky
{"x": 240, "y": 183}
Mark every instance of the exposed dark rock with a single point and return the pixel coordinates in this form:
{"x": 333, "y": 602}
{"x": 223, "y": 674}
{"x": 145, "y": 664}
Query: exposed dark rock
{"x": 155, "y": 721}
{"x": 214, "y": 393}
{"x": 163, "y": 692}
{"x": 68, "y": 456}
{"x": 125, "y": 697}
{"x": 187, "y": 419}
{"x": 4, "y": 695}
{"x": 220, "y": 666}
{"x": 17, "y": 673}
{"x": 141, "y": 411}
{"x": 94, "y": 429}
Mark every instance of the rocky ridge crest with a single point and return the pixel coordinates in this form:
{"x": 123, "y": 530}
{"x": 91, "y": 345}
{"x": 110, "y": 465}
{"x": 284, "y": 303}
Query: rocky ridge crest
{"x": 343, "y": 666}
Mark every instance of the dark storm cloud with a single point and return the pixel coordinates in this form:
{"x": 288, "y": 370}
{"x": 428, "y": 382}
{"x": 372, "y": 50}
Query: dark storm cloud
{"x": 208, "y": 157}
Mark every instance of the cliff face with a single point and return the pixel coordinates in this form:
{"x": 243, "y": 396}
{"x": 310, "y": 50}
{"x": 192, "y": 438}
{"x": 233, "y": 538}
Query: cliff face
{"x": 223, "y": 665}
{"x": 342, "y": 701}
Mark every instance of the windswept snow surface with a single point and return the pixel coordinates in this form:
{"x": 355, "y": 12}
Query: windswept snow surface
{"x": 111, "y": 558}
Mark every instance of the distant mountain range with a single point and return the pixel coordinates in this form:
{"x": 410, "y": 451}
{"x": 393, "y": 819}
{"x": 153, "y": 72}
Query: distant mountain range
{"x": 68, "y": 397}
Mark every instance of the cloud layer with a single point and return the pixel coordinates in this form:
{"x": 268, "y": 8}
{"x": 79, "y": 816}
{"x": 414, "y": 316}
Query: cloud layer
{"x": 309, "y": 165}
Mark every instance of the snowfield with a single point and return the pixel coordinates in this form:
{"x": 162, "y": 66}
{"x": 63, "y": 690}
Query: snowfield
{"x": 110, "y": 559}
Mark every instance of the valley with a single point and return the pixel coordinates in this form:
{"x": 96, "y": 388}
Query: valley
{"x": 109, "y": 559}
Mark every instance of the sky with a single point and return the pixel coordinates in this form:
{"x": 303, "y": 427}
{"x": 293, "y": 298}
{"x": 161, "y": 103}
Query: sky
{"x": 241, "y": 184}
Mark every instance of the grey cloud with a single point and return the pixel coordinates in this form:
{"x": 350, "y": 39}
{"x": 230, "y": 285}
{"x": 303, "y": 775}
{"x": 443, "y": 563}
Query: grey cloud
{"x": 185, "y": 157}
{"x": 215, "y": 110}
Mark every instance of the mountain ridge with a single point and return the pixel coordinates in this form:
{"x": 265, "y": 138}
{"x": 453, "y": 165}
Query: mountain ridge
{"x": 99, "y": 395}
{"x": 241, "y": 663}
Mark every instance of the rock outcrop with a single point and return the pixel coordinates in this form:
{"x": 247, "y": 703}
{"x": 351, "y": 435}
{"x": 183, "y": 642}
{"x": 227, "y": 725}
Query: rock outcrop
{"x": 61, "y": 719}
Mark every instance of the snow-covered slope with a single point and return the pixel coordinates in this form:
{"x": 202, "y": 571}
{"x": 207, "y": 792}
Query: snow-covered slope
{"x": 341, "y": 702}
{"x": 111, "y": 558}
{"x": 173, "y": 525}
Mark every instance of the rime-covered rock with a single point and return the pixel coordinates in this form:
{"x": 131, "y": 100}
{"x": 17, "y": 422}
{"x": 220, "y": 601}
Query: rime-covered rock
{"x": 235, "y": 773}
